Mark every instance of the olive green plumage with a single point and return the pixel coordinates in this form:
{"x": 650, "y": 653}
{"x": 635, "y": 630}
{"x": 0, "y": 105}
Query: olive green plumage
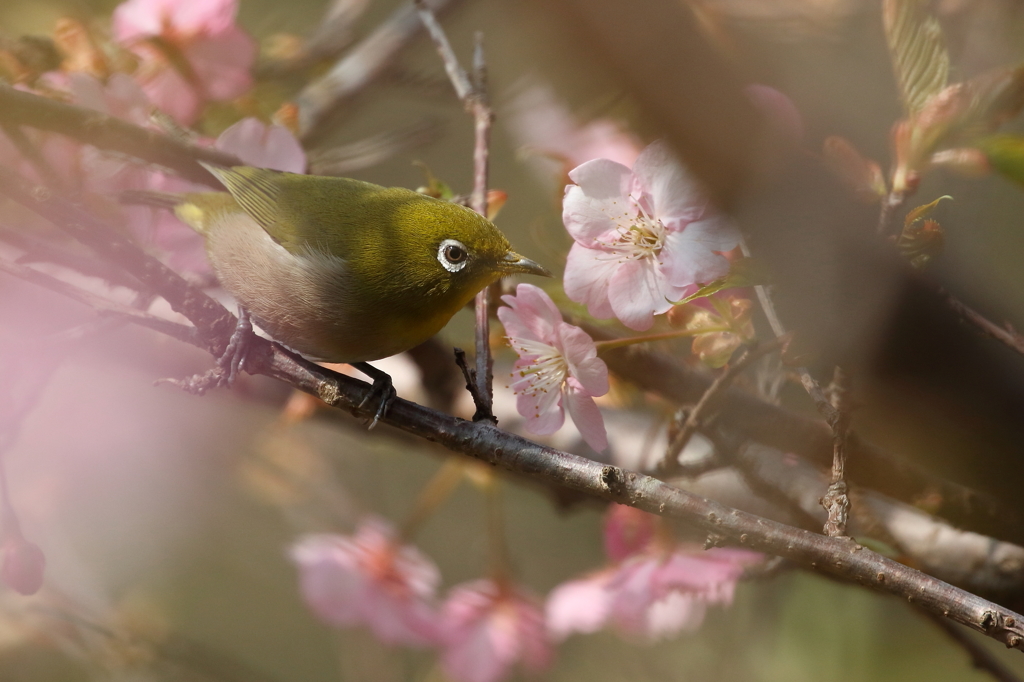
{"x": 343, "y": 270}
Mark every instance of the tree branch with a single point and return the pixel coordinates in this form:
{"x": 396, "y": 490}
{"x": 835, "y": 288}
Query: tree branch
{"x": 110, "y": 133}
{"x": 789, "y": 431}
{"x": 323, "y": 97}
{"x": 472, "y": 92}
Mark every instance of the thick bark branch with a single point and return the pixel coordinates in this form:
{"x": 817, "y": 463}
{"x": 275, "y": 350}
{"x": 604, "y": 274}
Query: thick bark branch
{"x": 110, "y": 133}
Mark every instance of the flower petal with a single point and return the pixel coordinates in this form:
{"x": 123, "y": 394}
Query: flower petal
{"x": 531, "y": 314}
{"x": 581, "y": 355}
{"x": 674, "y": 193}
{"x": 263, "y": 146}
{"x": 588, "y": 273}
{"x": 585, "y": 415}
{"x": 689, "y": 255}
{"x": 638, "y": 291}
{"x": 222, "y": 62}
{"x": 542, "y": 410}
{"x": 579, "y": 606}
{"x": 598, "y": 201}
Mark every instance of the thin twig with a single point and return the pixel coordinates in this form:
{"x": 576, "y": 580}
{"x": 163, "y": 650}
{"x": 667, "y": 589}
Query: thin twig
{"x": 836, "y": 502}
{"x": 817, "y": 395}
{"x": 840, "y": 557}
{"x": 835, "y": 556}
{"x": 469, "y": 374}
{"x": 981, "y": 658}
{"x": 213, "y": 322}
{"x": 321, "y": 99}
{"x": 101, "y": 304}
{"x": 709, "y": 401}
{"x": 472, "y": 92}
{"x": 789, "y": 431}
{"x": 1006, "y": 335}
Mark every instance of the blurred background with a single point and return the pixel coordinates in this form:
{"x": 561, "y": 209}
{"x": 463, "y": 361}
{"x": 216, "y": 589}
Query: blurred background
{"x": 166, "y": 517}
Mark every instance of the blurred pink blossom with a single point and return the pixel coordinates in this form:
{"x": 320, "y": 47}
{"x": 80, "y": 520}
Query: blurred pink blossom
{"x": 651, "y": 595}
{"x": 191, "y": 52}
{"x": 256, "y": 144}
{"x": 488, "y": 627}
{"x": 641, "y": 236}
{"x": 540, "y": 122}
{"x": 557, "y": 365}
{"x": 779, "y": 110}
{"x": 22, "y": 564}
{"x": 370, "y": 579}
{"x": 627, "y": 531}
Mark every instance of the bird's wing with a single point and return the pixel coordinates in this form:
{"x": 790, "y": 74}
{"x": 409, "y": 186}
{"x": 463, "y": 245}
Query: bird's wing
{"x": 306, "y": 212}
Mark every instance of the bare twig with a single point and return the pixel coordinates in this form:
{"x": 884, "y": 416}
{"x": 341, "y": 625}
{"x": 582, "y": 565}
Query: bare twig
{"x": 322, "y": 98}
{"x": 332, "y": 35}
{"x": 473, "y": 94}
{"x": 110, "y": 133}
{"x": 758, "y": 420}
{"x": 981, "y": 658}
{"x": 836, "y": 502}
{"x": 1006, "y": 335}
{"x": 708, "y": 401}
{"x": 214, "y": 324}
{"x": 469, "y": 374}
{"x": 101, "y": 304}
{"x": 835, "y": 556}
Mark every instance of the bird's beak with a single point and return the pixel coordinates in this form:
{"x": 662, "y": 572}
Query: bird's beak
{"x": 513, "y": 263}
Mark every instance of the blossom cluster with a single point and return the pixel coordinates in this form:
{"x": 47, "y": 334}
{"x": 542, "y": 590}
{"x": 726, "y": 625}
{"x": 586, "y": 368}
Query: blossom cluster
{"x": 167, "y": 60}
{"x": 652, "y": 589}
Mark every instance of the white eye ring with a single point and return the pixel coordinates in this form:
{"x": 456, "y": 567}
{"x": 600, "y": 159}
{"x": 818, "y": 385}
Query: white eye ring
{"x": 452, "y": 255}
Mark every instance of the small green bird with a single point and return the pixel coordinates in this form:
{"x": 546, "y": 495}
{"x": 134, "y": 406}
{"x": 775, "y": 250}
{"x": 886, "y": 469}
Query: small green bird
{"x": 342, "y": 270}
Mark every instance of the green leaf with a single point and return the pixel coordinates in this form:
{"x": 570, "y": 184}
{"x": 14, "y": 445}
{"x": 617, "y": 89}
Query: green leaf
{"x": 435, "y": 187}
{"x": 1006, "y": 154}
{"x": 922, "y": 211}
{"x": 744, "y": 272}
{"x": 918, "y": 51}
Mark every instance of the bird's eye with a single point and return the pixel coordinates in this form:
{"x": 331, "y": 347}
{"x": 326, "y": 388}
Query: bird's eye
{"x": 452, "y": 255}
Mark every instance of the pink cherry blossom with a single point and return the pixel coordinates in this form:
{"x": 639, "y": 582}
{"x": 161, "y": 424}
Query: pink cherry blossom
{"x": 627, "y": 531}
{"x": 256, "y": 144}
{"x": 191, "y": 52}
{"x": 641, "y": 236}
{"x": 542, "y": 123}
{"x": 557, "y": 367}
{"x": 651, "y": 595}
{"x": 22, "y": 564}
{"x": 488, "y": 627}
{"x": 370, "y": 579}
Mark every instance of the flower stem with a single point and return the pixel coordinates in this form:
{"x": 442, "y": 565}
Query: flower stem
{"x": 612, "y": 344}
{"x": 496, "y": 541}
{"x": 437, "y": 490}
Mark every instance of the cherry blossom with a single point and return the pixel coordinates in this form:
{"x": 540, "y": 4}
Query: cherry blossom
{"x": 190, "y": 52}
{"x": 489, "y": 626}
{"x": 627, "y": 531}
{"x": 651, "y": 595}
{"x": 22, "y": 564}
{"x": 256, "y": 144}
{"x": 557, "y": 369}
{"x": 641, "y": 236}
{"x": 370, "y": 579}
{"x": 543, "y": 124}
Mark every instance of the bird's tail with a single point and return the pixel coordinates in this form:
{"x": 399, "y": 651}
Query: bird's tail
{"x": 145, "y": 197}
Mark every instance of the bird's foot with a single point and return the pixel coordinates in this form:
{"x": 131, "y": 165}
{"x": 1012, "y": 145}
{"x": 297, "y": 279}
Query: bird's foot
{"x": 229, "y": 364}
{"x": 382, "y": 389}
